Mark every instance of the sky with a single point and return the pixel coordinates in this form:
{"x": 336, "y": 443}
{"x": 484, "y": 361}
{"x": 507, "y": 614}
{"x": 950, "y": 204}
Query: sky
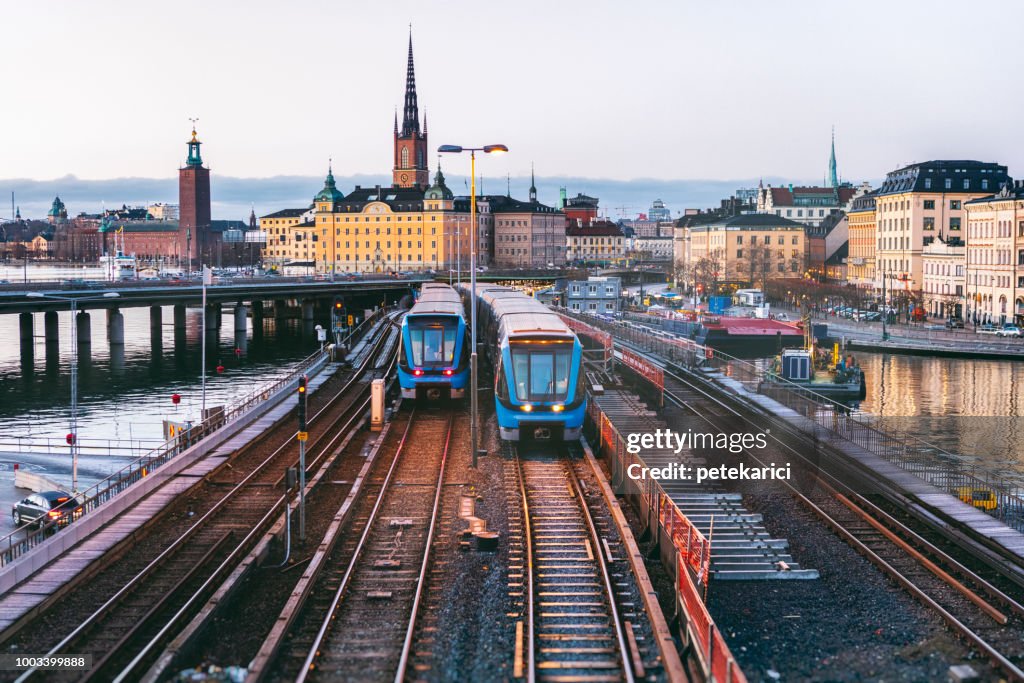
{"x": 586, "y": 89}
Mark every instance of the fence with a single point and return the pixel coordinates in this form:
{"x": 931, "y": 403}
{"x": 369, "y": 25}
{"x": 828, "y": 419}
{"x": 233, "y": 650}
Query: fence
{"x": 141, "y": 467}
{"x": 692, "y": 553}
{"x": 944, "y": 470}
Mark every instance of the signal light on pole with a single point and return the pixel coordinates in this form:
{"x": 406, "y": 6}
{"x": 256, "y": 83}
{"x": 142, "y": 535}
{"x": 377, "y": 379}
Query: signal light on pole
{"x": 302, "y": 403}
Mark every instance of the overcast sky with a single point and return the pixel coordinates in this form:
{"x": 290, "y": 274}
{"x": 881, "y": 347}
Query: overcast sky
{"x": 616, "y": 90}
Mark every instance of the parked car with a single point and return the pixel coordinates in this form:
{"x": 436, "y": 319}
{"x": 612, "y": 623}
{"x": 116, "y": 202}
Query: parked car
{"x": 40, "y": 508}
{"x": 955, "y": 324}
{"x": 988, "y": 329}
{"x": 1010, "y": 331}
{"x": 871, "y": 316}
{"x": 782, "y": 317}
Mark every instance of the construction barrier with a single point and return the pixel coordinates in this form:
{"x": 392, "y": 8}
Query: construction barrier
{"x": 645, "y": 368}
{"x": 692, "y": 554}
{"x": 602, "y": 338}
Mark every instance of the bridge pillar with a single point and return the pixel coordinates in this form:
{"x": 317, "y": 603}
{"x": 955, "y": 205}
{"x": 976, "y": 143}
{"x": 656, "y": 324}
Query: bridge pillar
{"x": 307, "y": 310}
{"x": 51, "y": 330}
{"x": 83, "y": 327}
{"x": 26, "y": 325}
{"x": 212, "y": 317}
{"x": 241, "y": 317}
{"x": 257, "y": 311}
{"x": 179, "y": 317}
{"x": 156, "y": 321}
{"x": 115, "y": 327}
{"x": 279, "y": 309}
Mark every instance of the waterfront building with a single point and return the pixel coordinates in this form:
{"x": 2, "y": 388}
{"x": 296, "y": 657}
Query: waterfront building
{"x": 942, "y": 266}
{"x": 860, "y": 262}
{"x": 994, "y": 239}
{"x": 195, "y": 238}
{"x": 915, "y": 205}
{"x": 527, "y": 234}
{"x": 579, "y": 210}
{"x": 653, "y": 248}
{"x": 285, "y": 241}
{"x": 597, "y": 242}
{"x": 163, "y": 212}
{"x": 594, "y": 295}
{"x": 58, "y": 213}
{"x": 744, "y": 250}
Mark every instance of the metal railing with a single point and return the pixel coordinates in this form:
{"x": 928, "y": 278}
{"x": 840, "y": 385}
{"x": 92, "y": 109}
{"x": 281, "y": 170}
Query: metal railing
{"x": 950, "y": 472}
{"x": 139, "y": 468}
{"x": 88, "y": 446}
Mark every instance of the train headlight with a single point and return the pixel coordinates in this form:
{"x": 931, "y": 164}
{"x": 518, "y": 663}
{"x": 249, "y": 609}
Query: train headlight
{"x": 557, "y": 408}
{"x": 526, "y": 408}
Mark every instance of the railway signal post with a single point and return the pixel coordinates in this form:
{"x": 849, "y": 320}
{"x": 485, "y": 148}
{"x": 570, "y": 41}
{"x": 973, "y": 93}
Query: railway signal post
{"x": 303, "y": 435}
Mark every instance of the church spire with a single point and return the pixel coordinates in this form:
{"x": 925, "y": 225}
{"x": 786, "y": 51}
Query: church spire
{"x": 411, "y": 118}
{"x": 533, "y": 186}
{"x": 832, "y": 175}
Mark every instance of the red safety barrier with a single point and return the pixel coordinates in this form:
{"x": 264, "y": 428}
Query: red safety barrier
{"x": 714, "y": 653}
{"x": 602, "y": 338}
{"x": 643, "y": 367}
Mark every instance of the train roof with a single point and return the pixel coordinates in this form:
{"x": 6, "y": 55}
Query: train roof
{"x": 437, "y": 299}
{"x": 522, "y": 315}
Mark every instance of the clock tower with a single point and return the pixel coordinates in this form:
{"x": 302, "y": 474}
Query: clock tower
{"x": 410, "y": 166}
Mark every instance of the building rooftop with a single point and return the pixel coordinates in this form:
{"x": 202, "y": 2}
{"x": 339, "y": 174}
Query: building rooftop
{"x": 932, "y": 176}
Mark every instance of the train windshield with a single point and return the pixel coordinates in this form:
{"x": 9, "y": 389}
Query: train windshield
{"x": 433, "y": 340}
{"x": 541, "y": 373}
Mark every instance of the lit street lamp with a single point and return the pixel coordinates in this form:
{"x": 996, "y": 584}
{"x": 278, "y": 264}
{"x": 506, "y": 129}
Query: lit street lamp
{"x": 73, "y": 434}
{"x": 474, "y": 237}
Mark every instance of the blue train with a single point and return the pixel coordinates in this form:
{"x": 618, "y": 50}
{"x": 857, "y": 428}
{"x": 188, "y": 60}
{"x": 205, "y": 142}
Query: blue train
{"x": 539, "y": 390}
{"x": 434, "y": 362}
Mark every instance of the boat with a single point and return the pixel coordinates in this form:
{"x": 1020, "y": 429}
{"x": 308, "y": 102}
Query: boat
{"x": 743, "y": 337}
{"x": 831, "y": 376}
{"x": 119, "y": 266}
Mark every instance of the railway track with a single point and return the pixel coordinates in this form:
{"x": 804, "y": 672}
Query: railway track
{"x": 984, "y": 615}
{"x": 128, "y": 628}
{"x": 581, "y": 620}
{"x": 359, "y": 621}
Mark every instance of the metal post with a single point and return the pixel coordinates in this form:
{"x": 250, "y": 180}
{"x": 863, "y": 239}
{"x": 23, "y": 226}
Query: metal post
{"x": 202, "y": 415}
{"x": 74, "y": 399}
{"x": 472, "y": 286}
{"x": 302, "y": 489}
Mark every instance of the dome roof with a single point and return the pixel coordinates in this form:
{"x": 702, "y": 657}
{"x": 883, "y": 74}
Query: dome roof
{"x": 330, "y": 193}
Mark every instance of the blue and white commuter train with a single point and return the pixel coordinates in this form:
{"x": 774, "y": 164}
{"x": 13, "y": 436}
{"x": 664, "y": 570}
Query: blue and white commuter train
{"x": 539, "y": 390}
{"x": 434, "y": 362}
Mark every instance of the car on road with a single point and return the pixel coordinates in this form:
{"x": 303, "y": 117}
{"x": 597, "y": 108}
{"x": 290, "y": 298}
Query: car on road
{"x": 40, "y": 508}
{"x": 955, "y": 324}
{"x": 1010, "y": 331}
{"x": 987, "y": 329}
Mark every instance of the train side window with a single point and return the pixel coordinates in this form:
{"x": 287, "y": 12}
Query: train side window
{"x": 500, "y": 383}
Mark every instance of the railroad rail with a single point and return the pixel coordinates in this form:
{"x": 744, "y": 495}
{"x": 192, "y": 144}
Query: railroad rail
{"x": 984, "y": 615}
{"x": 359, "y": 620}
{"x": 124, "y": 632}
{"x": 572, "y": 628}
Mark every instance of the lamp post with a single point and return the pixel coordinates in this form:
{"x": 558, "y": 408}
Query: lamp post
{"x": 73, "y": 434}
{"x": 486, "y": 149}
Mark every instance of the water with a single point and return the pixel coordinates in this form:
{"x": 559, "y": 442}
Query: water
{"x": 966, "y": 406}
{"x": 126, "y": 394}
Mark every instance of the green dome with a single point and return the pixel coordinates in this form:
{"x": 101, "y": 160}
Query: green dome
{"x": 330, "y": 193}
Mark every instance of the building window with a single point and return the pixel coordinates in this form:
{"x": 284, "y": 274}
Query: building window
{"x": 739, "y": 253}
{"x": 984, "y": 183}
{"x": 929, "y": 204}
{"x": 949, "y": 183}
{"x": 739, "y": 239}
{"x": 927, "y": 184}
{"x": 929, "y": 222}
{"x": 967, "y": 183}
{"x": 954, "y": 224}
{"x": 954, "y": 204}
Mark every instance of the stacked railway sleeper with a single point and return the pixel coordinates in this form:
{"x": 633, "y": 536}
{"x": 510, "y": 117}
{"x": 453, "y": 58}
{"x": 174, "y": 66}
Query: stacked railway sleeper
{"x": 358, "y": 621}
{"x": 143, "y": 590}
{"x": 582, "y": 617}
{"x": 741, "y": 546}
{"x": 979, "y": 605}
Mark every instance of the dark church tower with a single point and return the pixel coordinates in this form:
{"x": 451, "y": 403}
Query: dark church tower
{"x": 410, "y": 144}
{"x": 194, "y": 207}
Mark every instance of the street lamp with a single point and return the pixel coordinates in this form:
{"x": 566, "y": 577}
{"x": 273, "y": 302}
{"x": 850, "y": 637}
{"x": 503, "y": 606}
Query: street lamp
{"x": 73, "y": 435}
{"x": 486, "y": 149}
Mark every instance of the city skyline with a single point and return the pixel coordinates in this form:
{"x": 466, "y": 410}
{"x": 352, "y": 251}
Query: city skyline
{"x": 684, "y": 123}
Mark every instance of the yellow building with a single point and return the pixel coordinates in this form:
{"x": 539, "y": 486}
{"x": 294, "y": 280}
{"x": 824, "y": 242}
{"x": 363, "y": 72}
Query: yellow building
{"x": 388, "y": 229}
{"x": 289, "y": 239}
{"x": 860, "y": 262}
{"x": 995, "y": 257}
{"x": 745, "y": 250}
{"x": 916, "y": 205}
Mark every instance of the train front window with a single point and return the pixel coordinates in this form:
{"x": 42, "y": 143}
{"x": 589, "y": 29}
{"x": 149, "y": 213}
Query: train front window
{"x": 542, "y": 373}
{"x": 432, "y": 341}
